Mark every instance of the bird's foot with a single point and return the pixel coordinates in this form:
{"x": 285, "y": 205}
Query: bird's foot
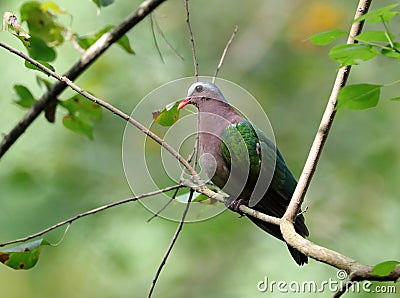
{"x": 235, "y": 205}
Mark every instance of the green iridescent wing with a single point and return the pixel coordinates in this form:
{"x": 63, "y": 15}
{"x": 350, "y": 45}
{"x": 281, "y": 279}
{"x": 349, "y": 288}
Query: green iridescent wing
{"x": 244, "y": 146}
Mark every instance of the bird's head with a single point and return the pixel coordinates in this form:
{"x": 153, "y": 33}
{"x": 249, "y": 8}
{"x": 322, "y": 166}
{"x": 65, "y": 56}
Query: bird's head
{"x": 201, "y": 92}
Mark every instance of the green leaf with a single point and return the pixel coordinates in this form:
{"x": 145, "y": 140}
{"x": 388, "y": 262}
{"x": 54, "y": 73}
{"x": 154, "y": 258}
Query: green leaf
{"x": 378, "y": 15}
{"x": 78, "y": 105}
{"x": 377, "y": 36}
{"x": 168, "y": 115}
{"x": 392, "y": 53}
{"x": 359, "y": 97}
{"x": 80, "y": 110}
{"x": 349, "y": 54}
{"x": 205, "y": 200}
{"x": 395, "y": 99}
{"x": 44, "y": 63}
{"x": 79, "y": 125}
{"x": 326, "y": 37}
{"x": 42, "y": 23}
{"x": 24, "y": 97}
{"x": 384, "y": 268}
{"x": 124, "y": 43}
{"x": 103, "y": 3}
{"x": 25, "y": 40}
{"x": 86, "y": 41}
{"x": 51, "y": 6}
{"x": 43, "y": 82}
{"x": 23, "y": 256}
{"x": 39, "y": 50}
{"x": 196, "y": 198}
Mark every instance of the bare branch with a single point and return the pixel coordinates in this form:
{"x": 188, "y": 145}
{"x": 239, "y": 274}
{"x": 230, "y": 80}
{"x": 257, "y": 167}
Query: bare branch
{"x": 221, "y": 198}
{"x": 326, "y": 123}
{"x": 92, "y": 53}
{"x": 113, "y": 109}
{"x": 360, "y": 271}
{"x": 196, "y": 64}
{"x": 164, "y": 207}
{"x": 199, "y": 186}
{"x": 305, "y": 246}
{"x": 221, "y": 61}
{"x": 153, "y": 33}
{"x": 365, "y": 274}
{"x": 159, "y": 30}
{"x": 344, "y": 288}
{"x": 173, "y": 241}
{"x": 90, "y": 212}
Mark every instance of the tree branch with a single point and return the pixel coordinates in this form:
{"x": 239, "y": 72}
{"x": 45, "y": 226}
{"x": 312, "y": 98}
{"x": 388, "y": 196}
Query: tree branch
{"x": 199, "y": 186}
{"x": 364, "y": 274}
{"x": 221, "y": 61}
{"x": 326, "y": 123}
{"x": 319, "y": 253}
{"x": 196, "y": 64}
{"x": 287, "y": 229}
{"x": 90, "y": 212}
{"x": 357, "y": 270}
{"x": 171, "y": 245}
{"x": 111, "y": 108}
{"x": 92, "y": 53}
{"x": 221, "y": 198}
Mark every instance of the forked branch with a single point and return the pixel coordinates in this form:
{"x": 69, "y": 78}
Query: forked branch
{"x": 92, "y": 53}
{"x": 91, "y": 212}
{"x": 326, "y": 123}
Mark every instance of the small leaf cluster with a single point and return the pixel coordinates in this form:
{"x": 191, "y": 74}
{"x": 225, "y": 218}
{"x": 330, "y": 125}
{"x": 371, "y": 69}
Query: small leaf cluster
{"x": 44, "y": 36}
{"x": 370, "y": 44}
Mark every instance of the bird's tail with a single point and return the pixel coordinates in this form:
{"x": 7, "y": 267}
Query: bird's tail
{"x": 275, "y": 231}
{"x": 274, "y": 205}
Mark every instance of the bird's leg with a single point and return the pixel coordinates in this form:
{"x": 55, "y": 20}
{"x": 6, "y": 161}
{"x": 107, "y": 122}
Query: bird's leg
{"x": 234, "y": 205}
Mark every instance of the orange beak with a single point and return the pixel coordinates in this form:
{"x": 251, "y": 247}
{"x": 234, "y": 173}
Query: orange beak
{"x": 184, "y": 103}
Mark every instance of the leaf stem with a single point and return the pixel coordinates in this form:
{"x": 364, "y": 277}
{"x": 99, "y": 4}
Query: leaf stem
{"x": 387, "y": 33}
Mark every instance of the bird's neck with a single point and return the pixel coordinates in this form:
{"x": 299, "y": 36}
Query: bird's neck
{"x": 214, "y": 118}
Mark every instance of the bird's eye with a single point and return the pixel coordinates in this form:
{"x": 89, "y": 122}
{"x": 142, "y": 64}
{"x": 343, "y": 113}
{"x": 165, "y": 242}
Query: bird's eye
{"x": 199, "y": 88}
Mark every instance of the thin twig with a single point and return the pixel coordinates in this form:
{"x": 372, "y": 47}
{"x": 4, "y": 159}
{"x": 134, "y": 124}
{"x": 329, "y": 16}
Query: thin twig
{"x": 199, "y": 187}
{"x": 171, "y": 199}
{"x": 90, "y": 55}
{"x": 221, "y": 61}
{"x": 344, "y": 288}
{"x": 196, "y": 64}
{"x": 326, "y": 123}
{"x": 220, "y": 198}
{"x": 286, "y": 225}
{"x": 317, "y": 252}
{"x": 155, "y": 39}
{"x": 159, "y": 30}
{"x": 111, "y": 108}
{"x": 171, "y": 245}
{"x": 70, "y": 36}
{"x": 90, "y": 212}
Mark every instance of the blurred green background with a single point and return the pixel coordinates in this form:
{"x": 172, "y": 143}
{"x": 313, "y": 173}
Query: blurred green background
{"x": 51, "y": 173}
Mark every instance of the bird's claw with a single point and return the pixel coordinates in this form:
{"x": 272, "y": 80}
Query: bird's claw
{"x": 235, "y": 205}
